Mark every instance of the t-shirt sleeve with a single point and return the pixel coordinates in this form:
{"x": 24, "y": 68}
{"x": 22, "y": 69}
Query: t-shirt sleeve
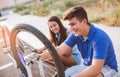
{"x": 70, "y": 41}
{"x": 100, "y": 48}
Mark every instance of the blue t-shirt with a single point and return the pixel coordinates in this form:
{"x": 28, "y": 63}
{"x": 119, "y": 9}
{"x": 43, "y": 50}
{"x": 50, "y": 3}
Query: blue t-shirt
{"x": 97, "y": 45}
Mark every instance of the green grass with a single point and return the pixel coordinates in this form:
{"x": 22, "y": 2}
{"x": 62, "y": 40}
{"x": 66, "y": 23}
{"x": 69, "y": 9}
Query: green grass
{"x": 102, "y": 11}
{"x": 2, "y": 19}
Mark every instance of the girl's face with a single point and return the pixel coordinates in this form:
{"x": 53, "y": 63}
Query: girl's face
{"x": 54, "y": 27}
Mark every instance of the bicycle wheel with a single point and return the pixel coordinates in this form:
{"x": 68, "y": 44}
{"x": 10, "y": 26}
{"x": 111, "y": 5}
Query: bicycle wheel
{"x": 22, "y": 49}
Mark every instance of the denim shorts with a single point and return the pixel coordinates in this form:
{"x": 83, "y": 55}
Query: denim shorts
{"x": 76, "y": 54}
{"x": 106, "y": 71}
{"x": 109, "y": 72}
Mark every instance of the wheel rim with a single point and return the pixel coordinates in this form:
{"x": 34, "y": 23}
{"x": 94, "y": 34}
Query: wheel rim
{"x": 22, "y": 60}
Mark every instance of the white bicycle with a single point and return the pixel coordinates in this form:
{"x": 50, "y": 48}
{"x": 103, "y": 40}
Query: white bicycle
{"x": 24, "y": 40}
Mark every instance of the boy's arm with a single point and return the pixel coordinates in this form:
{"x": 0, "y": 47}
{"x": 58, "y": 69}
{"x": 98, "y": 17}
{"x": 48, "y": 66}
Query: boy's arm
{"x": 64, "y": 50}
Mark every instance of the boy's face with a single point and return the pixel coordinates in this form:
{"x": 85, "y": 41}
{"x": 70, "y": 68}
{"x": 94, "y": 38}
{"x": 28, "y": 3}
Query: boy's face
{"x": 78, "y": 27}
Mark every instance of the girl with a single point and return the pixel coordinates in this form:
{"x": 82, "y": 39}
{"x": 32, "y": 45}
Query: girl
{"x": 58, "y": 34}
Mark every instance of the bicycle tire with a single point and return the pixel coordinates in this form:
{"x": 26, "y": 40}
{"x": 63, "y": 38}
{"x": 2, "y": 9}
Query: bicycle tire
{"x": 37, "y": 33}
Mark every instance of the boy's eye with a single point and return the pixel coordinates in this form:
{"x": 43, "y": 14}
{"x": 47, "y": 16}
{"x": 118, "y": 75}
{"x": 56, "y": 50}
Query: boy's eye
{"x": 72, "y": 24}
{"x": 54, "y": 25}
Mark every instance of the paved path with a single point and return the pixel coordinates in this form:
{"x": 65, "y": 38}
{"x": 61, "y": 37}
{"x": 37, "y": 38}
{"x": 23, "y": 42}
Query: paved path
{"x": 41, "y": 24}
{"x": 7, "y": 69}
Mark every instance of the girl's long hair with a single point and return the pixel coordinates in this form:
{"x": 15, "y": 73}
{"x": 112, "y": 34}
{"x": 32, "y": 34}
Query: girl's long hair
{"x": 63, "y": 34}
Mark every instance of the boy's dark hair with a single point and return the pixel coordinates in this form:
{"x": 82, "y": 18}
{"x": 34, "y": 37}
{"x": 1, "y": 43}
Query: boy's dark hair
{"x": 76, "y": 11}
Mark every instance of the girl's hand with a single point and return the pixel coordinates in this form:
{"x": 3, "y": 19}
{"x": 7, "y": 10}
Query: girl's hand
{"x": 41, "y": 50}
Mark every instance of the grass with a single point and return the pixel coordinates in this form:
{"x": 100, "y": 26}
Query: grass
{"x": 102, "y": 11}
{"x": 3, "y": 18}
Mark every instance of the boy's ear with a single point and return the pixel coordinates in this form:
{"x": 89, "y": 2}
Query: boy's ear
{"x": 84, "y": 20}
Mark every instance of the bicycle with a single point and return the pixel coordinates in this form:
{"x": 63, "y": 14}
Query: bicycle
{"x": 5, "y": 41}
{"x": 22, "y": 49}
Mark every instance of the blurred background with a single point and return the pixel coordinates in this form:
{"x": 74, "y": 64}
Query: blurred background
{"x": 104, "y": 13}
{"x": 99, "y": 11}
